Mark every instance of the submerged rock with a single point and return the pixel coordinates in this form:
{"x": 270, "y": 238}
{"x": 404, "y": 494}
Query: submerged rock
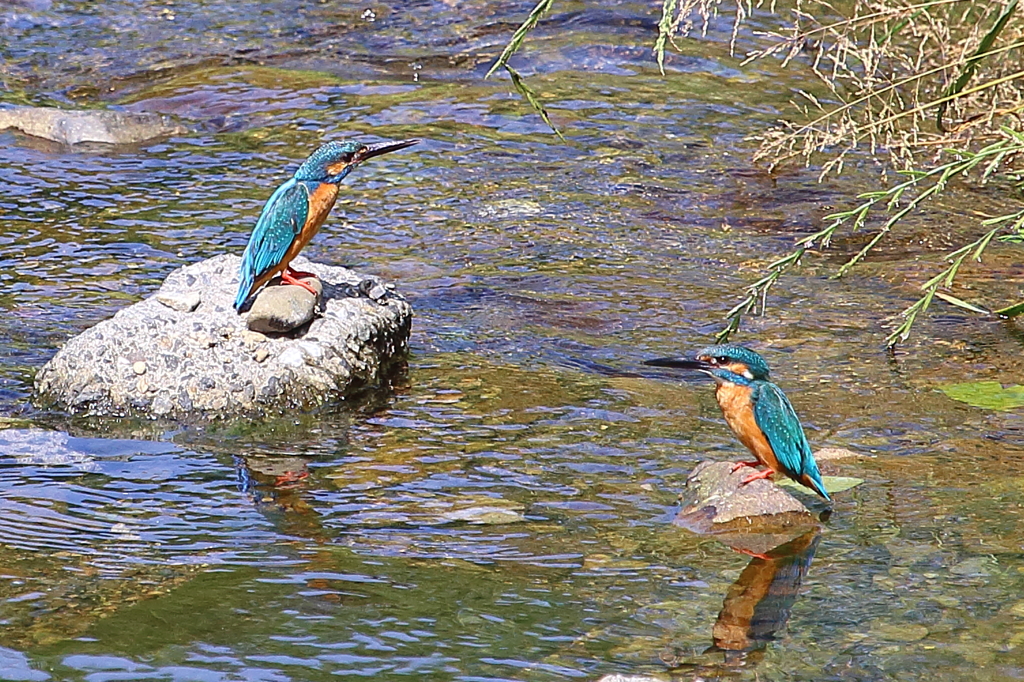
{"x": 435, "y": 510}
{"x": 162, "y": 357}
{"x": 754, "y": 517}
{"x": 73, "y": 127}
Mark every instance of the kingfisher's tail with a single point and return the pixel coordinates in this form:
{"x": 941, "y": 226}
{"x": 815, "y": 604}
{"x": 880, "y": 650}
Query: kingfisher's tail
{"x": 812, "y": 479}
{"x": 244, "y": 289}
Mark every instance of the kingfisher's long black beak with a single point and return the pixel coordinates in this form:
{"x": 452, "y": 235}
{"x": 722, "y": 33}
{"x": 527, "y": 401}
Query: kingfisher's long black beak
{"x": 680, "y": 363}
{"x": 373, "y": 150}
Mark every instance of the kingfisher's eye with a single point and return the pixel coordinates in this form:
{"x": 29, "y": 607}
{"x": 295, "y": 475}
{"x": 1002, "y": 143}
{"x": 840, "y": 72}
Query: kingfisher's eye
{"x": 340, "y": 165}
{"x": 721, "y": 360}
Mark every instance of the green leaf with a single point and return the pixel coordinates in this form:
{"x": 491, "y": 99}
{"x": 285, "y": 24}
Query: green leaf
{"x": 953, "y": 300}
{"x": 837, "y": 484}
{"x": 901, "y": 25}
{"x": 1012, "y": 311}
{"x": 833, "y": 484}
{"x": 989, "y": 395}
{"x": 532, "y": 99}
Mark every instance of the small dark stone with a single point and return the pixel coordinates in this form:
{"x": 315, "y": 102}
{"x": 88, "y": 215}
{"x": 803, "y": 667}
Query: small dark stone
{"x": 139, "y": 402}
{"x": 270, "y": 389}
{"x": 282, "y": 308}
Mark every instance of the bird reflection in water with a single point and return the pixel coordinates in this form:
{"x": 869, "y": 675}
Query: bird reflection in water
{"x": 758, "y": 604}
{"x": 279, "y": 488}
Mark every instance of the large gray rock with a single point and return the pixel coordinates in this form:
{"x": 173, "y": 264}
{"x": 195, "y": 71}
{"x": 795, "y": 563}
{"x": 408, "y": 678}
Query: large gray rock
{"x": 172, "y": 355}
{"x": 71, "y": 127}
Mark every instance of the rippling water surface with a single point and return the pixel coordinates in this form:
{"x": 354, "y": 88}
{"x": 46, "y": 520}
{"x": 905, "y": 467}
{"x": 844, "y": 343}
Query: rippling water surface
{"x": 502, "y": 511}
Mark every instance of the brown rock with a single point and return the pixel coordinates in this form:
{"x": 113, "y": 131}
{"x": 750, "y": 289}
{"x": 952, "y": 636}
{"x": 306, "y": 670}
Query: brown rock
{"x": 753, "y": 517}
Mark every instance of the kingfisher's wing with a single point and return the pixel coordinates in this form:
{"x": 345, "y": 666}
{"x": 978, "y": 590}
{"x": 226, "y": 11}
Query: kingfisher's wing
{"x": 282, "y": 219}
{"x": 776, "y": 417}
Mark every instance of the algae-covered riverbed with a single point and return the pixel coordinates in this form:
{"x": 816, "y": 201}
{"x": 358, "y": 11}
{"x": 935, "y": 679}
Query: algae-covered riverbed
{"x": 503, "y": 510}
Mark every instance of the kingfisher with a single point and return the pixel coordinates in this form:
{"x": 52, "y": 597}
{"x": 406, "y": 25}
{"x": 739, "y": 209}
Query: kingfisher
{"x": 757, "y": 411}
{"x": 296, "y": 210}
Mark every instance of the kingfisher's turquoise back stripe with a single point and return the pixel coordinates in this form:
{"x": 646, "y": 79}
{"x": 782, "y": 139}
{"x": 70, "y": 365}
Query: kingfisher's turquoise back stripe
{"x": 777, "y": 419}
{"x": 279, "y": 225}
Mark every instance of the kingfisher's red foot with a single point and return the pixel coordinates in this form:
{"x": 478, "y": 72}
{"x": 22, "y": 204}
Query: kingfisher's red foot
{"x": 750, "y": 552}
{"x": 739, "y": 465}
{"x": 298, "y": 274}
{"x": 289, "y": 478}
{"x": 289, "y": 277}
{"x": 753, "y": 477}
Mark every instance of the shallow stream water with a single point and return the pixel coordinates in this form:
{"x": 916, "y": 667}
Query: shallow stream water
{"x": 502, "y": 510}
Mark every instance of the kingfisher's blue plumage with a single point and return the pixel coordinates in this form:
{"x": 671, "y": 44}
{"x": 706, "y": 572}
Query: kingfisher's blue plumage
{"x": 278, "y": 227}
{"x": 776, "y": 417}
{"x": 757, "y": 410}
{"x": 297, "y": 209}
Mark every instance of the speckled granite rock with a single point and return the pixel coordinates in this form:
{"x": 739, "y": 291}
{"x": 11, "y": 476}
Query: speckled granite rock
{"x": 167, "y": 356}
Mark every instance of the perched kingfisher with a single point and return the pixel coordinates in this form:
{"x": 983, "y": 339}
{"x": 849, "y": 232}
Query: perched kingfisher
{"x": 296, "y": 210}
{"x": 757, "y": 411}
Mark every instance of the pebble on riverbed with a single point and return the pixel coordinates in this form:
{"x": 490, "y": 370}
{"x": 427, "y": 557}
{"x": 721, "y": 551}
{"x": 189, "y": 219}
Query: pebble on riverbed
{"x": 162, "y": 357}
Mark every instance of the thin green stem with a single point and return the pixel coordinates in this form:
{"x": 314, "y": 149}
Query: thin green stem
{"x": 927, "y": 184}
{"x": 539, "y": 10}
{"x": 943, "y": 279}
{"x": 666, "y": 28}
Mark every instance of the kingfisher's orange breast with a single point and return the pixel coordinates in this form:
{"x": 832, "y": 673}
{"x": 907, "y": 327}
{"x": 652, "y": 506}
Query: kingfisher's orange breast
{"x": 321, "y": 201}
{"x": 738, "y": 410}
